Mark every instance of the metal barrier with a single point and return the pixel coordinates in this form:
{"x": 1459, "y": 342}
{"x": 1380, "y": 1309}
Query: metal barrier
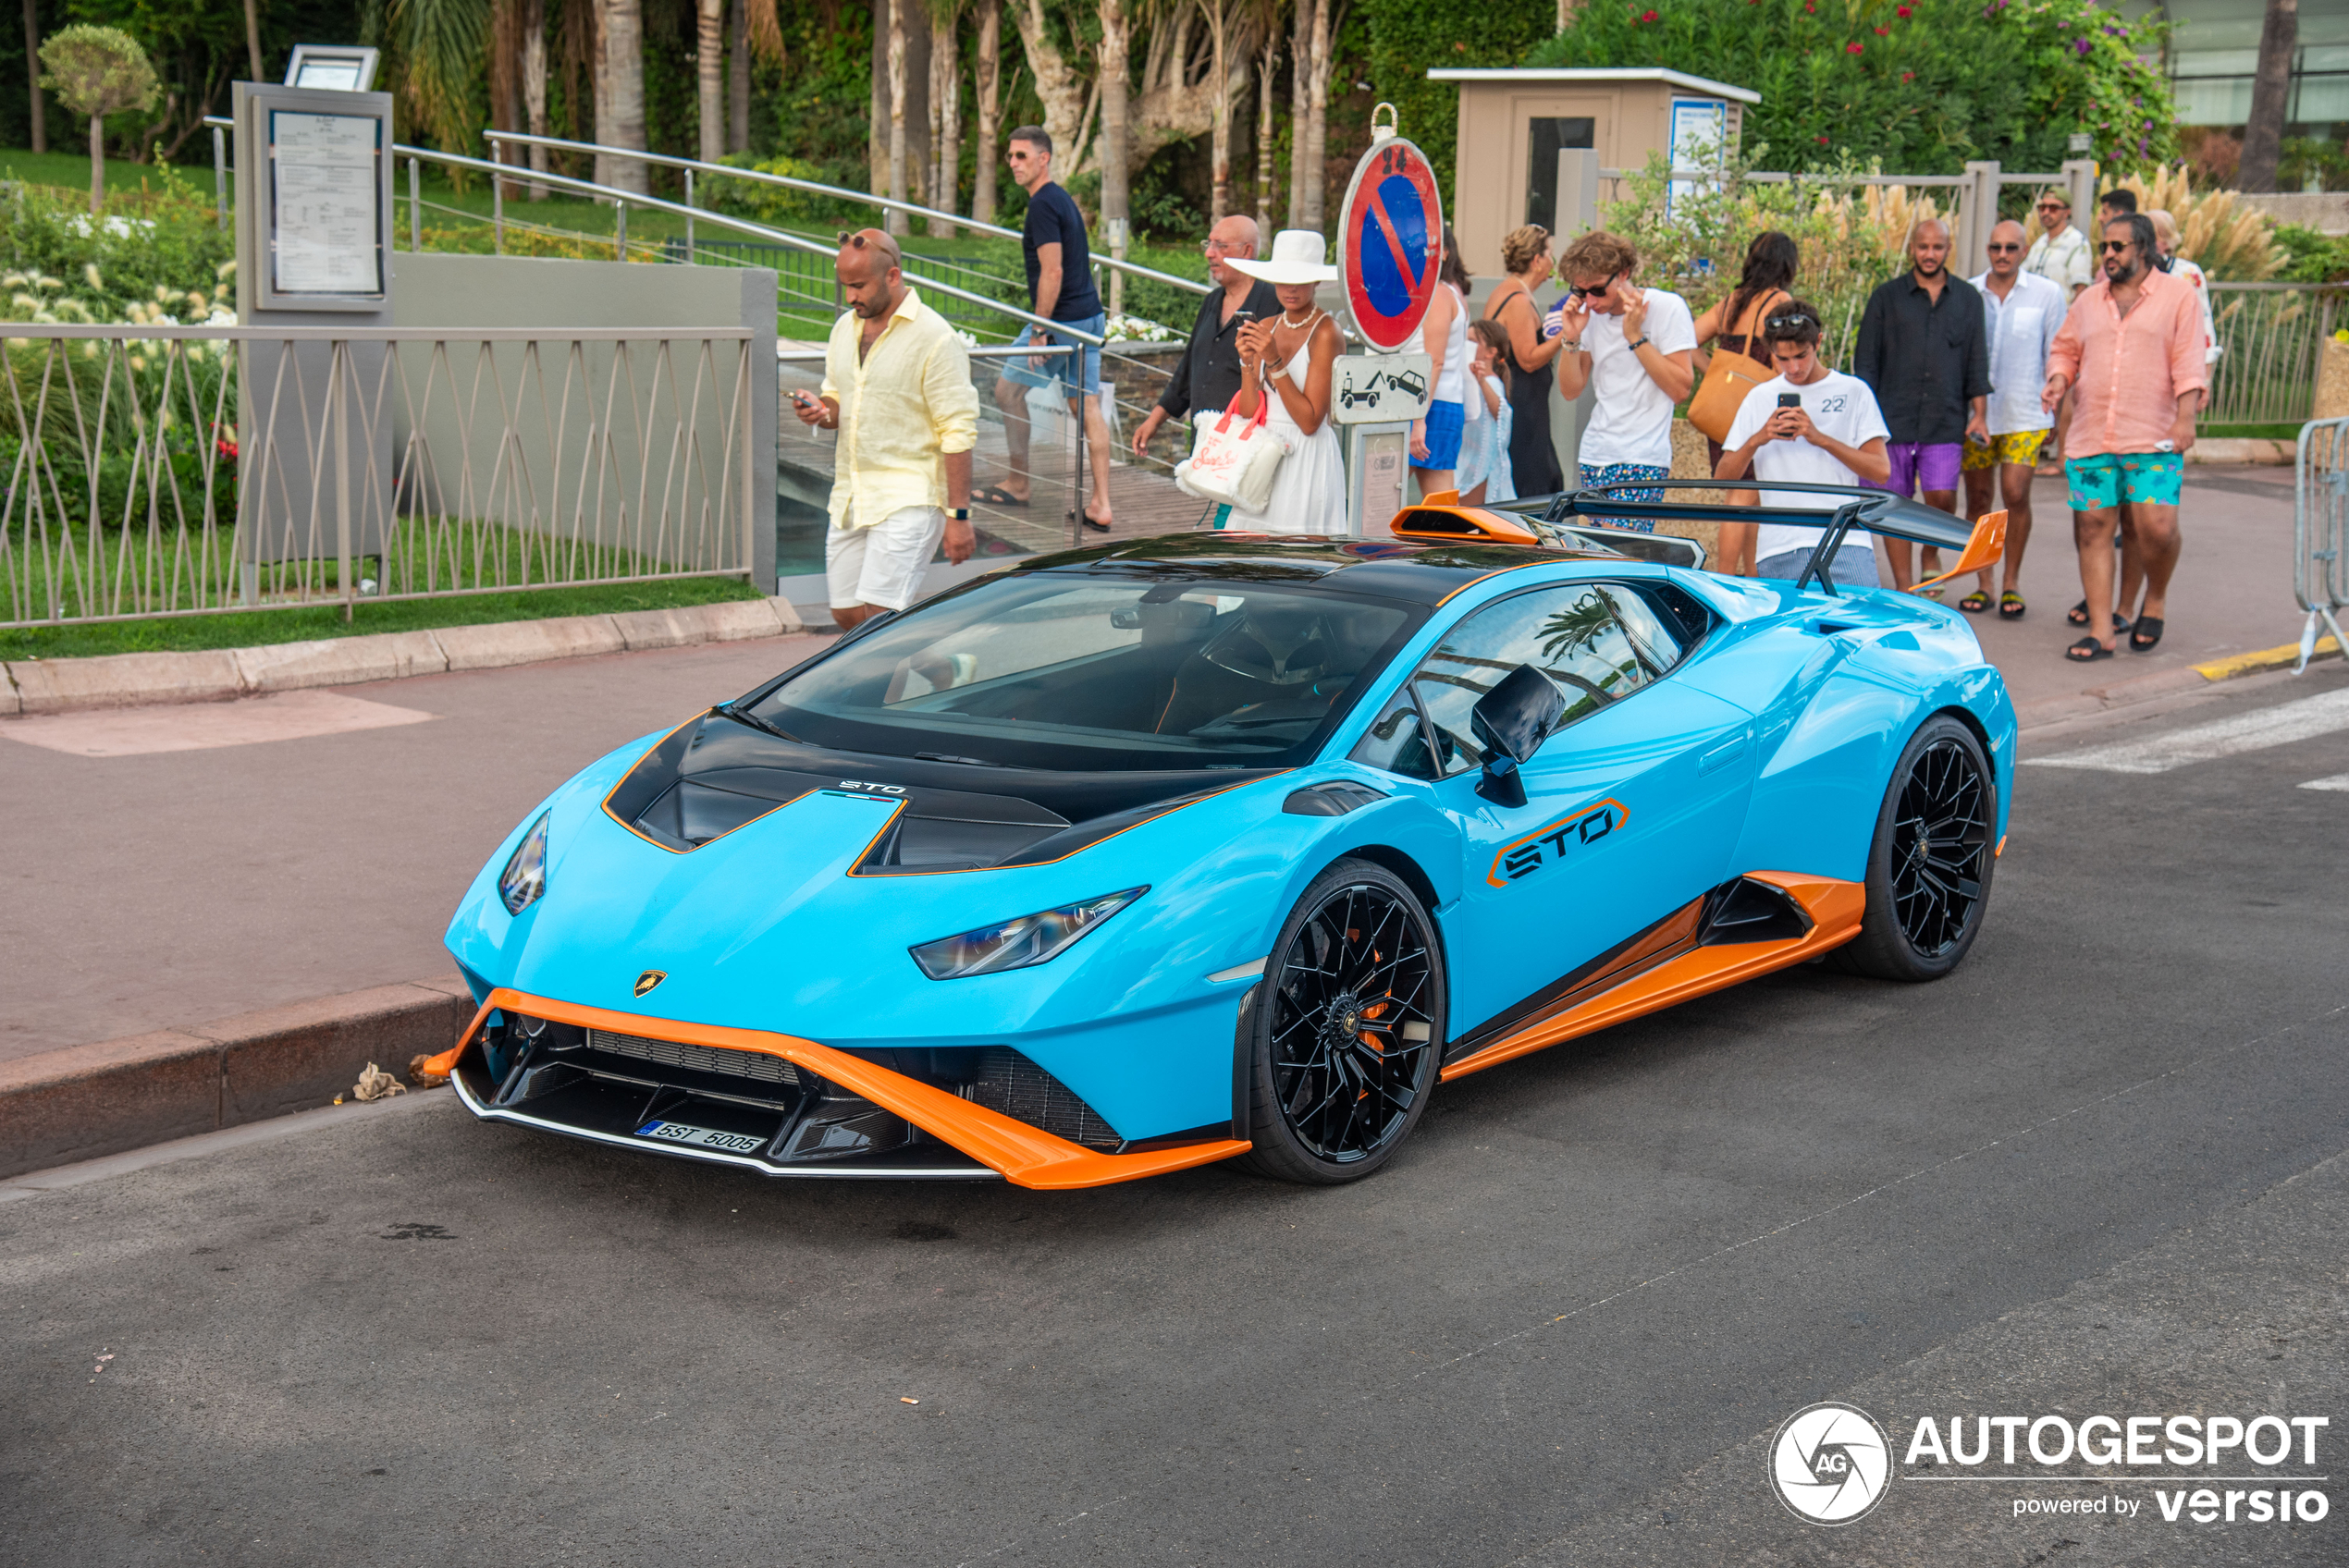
{"x": 194, "y": 470}
{"x": 2320, "y": 533}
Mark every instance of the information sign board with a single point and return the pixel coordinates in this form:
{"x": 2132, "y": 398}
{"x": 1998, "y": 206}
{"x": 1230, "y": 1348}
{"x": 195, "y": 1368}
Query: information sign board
{"x": 324, "y": 204}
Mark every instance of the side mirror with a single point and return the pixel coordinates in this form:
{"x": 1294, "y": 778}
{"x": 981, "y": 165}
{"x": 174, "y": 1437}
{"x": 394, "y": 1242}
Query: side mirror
{"x": 1510, "y": 722}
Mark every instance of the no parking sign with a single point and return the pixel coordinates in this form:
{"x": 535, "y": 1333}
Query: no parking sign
{"x": 1389, "y": 234}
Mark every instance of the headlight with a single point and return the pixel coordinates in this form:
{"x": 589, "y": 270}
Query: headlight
{"x": 1016, "y": 944}
{"x": 525, "y": 878}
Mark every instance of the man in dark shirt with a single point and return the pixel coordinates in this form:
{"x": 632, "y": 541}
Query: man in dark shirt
{"x": 1059, "y": 288}
{"x": 1208, "y": 375}
{"x": 1923, "y": 353}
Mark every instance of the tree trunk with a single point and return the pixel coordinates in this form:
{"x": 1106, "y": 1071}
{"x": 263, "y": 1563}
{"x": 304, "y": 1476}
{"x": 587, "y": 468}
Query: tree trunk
{"x": 946, "y": 104}
{"x": 1266, "y": 70}
{"x": 896, "y": 220}
{"x": 710, "y": 78}
{"x": 991, "y": 74}
{"x": 2270, "y": 97}
{"x": 504, "y": 68}
{"x": 253, "y": 38}
{"x": 1317, "y": 121}
{"x": 934, "y": 131}
{"x": 1219, "y": 140}
{"x": 32, "y": 73}
{"x": 738, "y": 82}
{"x": 1058, "y": 88}
{"x": 1116, "y": 84}
{"x": 534, "y": 84}
{"x": 1300, "y": 98}
{"x": 876, "y": 144}
{"x": 620, "y": 112}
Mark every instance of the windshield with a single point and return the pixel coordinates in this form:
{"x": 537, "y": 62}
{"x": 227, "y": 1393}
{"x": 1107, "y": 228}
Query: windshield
{"x": 1081, "y": 674}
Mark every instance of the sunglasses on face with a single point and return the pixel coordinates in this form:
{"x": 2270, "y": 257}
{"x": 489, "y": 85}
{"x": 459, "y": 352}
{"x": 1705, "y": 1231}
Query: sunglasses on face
{"x": 1587, "y": 290}
{"x": 2053, "y": 207}
{"x": 2113, "y": 247}
{"x": 2001, "y": 250}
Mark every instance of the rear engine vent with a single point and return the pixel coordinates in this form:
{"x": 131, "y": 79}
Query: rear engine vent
{"x": 1010, "y": 1083}
{"x": 766, "y": 1069}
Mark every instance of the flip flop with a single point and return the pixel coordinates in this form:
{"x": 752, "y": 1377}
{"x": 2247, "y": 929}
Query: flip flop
{"x": 2145, "y": 635}
{"x": 2078, "y": 614}
{"x": 996, "y": 496}
{"x": 1096, "y": 527}
{"x": 2088, "y": 650}
{"x": 2010, "y": 605}
{"x": 1975, "y": 603}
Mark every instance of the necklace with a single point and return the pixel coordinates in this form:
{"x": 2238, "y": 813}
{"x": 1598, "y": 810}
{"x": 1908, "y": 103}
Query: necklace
{"x": 1293, "y": 325}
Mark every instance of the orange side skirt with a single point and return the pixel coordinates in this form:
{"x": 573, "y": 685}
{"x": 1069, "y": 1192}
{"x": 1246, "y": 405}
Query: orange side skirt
{"x": 1026, "y": 1156}
{"x": 1835, "y": 909}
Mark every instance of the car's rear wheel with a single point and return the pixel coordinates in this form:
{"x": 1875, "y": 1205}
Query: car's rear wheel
{"x": 1346, "y": 1028}
{"x": 1929, "y": 866}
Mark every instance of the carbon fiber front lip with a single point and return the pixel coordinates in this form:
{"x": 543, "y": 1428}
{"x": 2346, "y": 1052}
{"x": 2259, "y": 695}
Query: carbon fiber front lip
{"x": 974, "y": 1172}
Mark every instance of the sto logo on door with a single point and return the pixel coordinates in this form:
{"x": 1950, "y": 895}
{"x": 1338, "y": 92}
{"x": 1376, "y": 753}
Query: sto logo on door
{"x": 1551, "y": 845}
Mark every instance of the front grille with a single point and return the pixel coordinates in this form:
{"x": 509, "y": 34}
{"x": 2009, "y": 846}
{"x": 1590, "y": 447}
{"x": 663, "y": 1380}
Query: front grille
{"x": 1010, "y": 1083}
{"x": 766, "y": 1069}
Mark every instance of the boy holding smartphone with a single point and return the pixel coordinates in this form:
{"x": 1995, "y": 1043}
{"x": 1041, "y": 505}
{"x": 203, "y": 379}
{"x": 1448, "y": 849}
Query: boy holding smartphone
{"x": 1810, "y": 426}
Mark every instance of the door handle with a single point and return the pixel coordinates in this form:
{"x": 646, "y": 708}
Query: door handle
{"x": 1721, "y": 756}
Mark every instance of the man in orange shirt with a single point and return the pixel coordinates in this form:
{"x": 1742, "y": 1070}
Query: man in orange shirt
{"x": 2133, "y": 346}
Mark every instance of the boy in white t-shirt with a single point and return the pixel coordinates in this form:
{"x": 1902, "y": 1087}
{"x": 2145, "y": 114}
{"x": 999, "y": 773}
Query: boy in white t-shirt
{"x": 1634, "y": 348}
{"x": 1830, "y": 434}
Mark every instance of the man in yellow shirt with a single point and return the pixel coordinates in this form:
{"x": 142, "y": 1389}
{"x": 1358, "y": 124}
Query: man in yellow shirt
{"x": 897, "y": 386}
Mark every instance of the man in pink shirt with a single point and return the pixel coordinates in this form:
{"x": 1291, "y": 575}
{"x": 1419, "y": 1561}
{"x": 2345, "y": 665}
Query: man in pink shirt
{"x": 2133, "y": 346}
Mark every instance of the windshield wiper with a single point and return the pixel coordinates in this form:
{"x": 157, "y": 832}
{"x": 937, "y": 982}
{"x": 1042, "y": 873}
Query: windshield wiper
{"x": 745, "y": 716}
{"x": 967, "y": 762}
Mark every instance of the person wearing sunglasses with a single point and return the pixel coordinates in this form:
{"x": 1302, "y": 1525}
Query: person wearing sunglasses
{"x": 2131, "y": 351}
{"x": 2020, "y": 316}
{"x": 1635, "y": 348}
{"x": 2059, "y": 252}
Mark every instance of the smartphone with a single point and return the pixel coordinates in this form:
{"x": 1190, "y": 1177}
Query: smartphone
{"x": 803, "y": 398}
{"x": 1789, "y": 400}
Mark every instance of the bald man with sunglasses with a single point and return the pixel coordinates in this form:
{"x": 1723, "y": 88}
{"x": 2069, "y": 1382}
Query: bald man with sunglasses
{"x": 2021, "y": 313}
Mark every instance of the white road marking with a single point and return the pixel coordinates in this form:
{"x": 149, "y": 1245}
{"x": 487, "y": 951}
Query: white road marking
{"x": 2338, "y": 781}
{"x": 2278, "y": 725}
{"x": 192, "y": 726}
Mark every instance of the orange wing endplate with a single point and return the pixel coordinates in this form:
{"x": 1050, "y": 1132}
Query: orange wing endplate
{"x": 1987, "y": 543}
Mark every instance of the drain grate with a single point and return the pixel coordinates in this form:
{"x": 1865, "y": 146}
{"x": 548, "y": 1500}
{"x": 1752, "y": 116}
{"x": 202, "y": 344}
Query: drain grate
{"x": 698, "y": 1059}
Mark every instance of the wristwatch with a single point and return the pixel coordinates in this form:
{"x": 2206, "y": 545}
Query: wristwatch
{"x": 958, "y": 514}
{"x": 1571, "y": 346}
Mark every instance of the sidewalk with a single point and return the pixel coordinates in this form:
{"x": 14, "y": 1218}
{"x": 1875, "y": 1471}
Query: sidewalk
{"x": 315, "y": 843}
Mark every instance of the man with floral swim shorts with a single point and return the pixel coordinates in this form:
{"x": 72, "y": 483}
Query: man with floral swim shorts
{"x": 2133, "y": 346}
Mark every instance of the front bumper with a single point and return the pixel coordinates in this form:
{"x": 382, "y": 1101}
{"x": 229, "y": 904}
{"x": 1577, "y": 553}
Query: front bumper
{"x": 833, "y": 1116}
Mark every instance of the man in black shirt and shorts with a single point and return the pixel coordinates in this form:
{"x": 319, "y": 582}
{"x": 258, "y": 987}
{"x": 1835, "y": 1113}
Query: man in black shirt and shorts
{"x": 1059, "y": 288}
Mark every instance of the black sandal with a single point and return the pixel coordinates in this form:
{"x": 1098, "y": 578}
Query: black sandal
{"x": 2078, "y": 614}
{"x": 996, "y": 496}
{"x": 2088, "y": 650}
{"x": 2010, "y": 605}
{"x": 2145, "y": 635}
{"x": 1975, "y": 603}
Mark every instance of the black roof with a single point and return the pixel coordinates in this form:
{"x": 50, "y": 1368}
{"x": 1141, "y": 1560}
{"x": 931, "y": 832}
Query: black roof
{"x": 1396, "y": 568}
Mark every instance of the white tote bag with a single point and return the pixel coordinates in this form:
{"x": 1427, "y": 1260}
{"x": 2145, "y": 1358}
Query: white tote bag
{"x": 1233, "y": 462}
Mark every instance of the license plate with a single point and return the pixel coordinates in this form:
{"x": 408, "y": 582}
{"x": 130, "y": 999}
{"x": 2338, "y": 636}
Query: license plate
{"x": 701, "y": 1137}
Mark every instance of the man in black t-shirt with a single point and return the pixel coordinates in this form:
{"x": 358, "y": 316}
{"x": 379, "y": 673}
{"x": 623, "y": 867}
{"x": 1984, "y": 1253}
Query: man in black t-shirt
{"x": 1059, "y": 288}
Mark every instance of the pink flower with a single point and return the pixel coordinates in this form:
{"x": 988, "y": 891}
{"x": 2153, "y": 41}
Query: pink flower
{"x": 1908, "y": 75}
{"x": 1883, "y": 33}
{"x": 1902, "y": 11}
{"x": 1853, "y": 48}
{"x": 1823, "y": 140}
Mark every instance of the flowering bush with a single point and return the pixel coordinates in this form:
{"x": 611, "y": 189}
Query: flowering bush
{"x": 1924, "y": 85}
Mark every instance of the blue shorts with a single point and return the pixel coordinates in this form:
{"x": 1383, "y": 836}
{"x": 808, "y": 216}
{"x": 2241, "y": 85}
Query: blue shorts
{"x": 2103, "y": 481}
{"x": 1445, "y": 422}
{"x": 1062, "y": 368}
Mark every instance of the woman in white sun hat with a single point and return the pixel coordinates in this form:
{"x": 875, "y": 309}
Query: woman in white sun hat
{"x": 1290, "y": 361}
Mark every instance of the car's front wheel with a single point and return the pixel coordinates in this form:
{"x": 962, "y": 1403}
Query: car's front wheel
{"x": 1929, "y": 866}
{"x": 1346, "y": 1028}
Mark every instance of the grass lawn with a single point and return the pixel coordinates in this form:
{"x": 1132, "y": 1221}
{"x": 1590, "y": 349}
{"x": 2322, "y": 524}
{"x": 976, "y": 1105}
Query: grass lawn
{"x": 2256, "y": 432}
{"x": 71, "y": 170}
{"x": 247, "y": 629}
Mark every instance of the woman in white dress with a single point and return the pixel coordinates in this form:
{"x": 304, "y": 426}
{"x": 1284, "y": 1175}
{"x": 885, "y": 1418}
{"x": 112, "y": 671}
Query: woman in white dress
{"x": 1292, "y": 361}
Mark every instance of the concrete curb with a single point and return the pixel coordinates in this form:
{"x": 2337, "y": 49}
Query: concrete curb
{"x": 2266, "y": 658}
{"x": 112, "y": 681}
{"x": 87, "y": 1101}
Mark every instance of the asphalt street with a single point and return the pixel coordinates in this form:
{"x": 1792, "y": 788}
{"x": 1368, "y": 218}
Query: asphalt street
{"x": 2097, "y": 1170}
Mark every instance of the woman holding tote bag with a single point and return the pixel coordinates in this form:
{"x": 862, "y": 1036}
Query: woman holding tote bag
{"x": 1735, "y": 327}
{"x": 1289, "y": 363}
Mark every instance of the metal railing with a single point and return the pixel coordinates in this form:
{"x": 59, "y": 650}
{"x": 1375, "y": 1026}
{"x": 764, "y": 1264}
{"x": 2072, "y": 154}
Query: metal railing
{"x": 2270, "y": 335}
{"x": 196, "y": 469}
{"x": 2320, "y": 532}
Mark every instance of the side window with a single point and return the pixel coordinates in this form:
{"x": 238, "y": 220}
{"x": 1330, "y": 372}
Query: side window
{"x": 1396, "y": 743}
{"x": 1571, "y": 634}
{"x": 1658, "y": 626}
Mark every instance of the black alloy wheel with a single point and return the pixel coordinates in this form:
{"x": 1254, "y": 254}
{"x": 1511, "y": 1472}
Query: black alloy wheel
{"x": 1346, "y": 1028}
{"x": 1929, "y": 868}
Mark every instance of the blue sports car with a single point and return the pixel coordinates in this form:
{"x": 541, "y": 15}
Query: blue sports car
{"x": 1216, "y": 845}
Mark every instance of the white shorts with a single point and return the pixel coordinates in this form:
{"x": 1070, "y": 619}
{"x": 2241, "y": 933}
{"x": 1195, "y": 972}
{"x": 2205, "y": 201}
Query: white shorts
{"x": 882, "y": 565}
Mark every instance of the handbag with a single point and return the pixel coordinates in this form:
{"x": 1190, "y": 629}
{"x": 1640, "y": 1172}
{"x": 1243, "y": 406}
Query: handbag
{"x": 1722, "y": 393}
{"x": 1234, "y": 466}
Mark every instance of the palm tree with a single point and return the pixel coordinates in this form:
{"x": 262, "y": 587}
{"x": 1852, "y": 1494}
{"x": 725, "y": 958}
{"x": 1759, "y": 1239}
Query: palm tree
{"x": 990, "y": 64}
{"x": 440, "y": 45}
{"x": 2270, "y": 97}
{"x": 620, "y": 94}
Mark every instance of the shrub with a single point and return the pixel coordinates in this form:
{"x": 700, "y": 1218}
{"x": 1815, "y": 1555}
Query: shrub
{"x": 1921, "y": 85}
{"x": 2232, "y": 242}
